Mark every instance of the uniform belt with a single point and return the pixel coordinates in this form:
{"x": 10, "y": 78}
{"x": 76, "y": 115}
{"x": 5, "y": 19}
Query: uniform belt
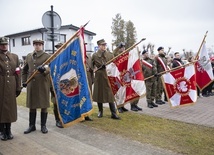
{"x": 1, "y": 74}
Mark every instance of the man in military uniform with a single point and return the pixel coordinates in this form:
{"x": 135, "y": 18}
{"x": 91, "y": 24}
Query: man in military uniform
{"x": 119, "y": 49}
{"x": 10, "y": 88}
{"x": 161, "y": 63}
{"x": 102, "y": 91}
{"x": 149, "y": 69}
{"x": 38, "y": 89}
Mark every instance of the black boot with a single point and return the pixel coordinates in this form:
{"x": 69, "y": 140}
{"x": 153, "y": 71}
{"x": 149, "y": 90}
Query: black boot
{"x": 44, "y": 116}
{"x": 87, "y": 118}
{"x": 100, "y": 107}
{"x": 1, "y": 129}
{"x": 3, "y": 135}
{"x": 158, "y": 102}
{"x": 32, "y": 122}
{"x": 8, "y": 131}
{"x": 138, "y": 108}
{"x": 133, "y": 107}
{"x": 120, "y": 110}
{"x": 124, "y": 109}
{"x": 149, "y": 105}
{"x": 113, "y": 111}
{"x": 153, "y": 104}
{"x": 56, "y": 114}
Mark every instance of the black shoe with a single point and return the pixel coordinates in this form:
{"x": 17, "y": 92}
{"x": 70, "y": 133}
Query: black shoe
{"x": 138, "y": 108}
{"x": 162, "y": 102}
{"x": 150, "y": 105}
{"x": 115, "y": 116}
{"x": 9, "y": 136}
{"x": 87, "y": 118}
{"x": 100, "y": 114}
{"x": 124, "y": 109}
{"x": 153, "y": 104}
{"x": 120, "y": 110}
{"x": 30, "y": 129}
{"x": 4, "y": 137}
{"x": 44, "y": 129}
{"x": 159, "y": 102}
{"x": 59, "y": 124}
{"x": 133, "y": 108}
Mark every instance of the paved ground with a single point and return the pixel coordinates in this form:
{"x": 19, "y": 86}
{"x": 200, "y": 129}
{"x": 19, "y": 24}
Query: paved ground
{"x": 83, "y": 140}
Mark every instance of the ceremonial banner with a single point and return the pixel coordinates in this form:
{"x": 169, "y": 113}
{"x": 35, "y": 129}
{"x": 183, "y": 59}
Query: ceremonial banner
{"x": 204, "y": 73}
{"x": 70, "y": 84}
{"x": 180, "y": 86}
{"x": 126, "y": 77}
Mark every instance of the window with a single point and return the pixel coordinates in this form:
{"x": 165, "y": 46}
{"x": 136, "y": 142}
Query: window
{"x": 13, "y": 42}
{"x": 25, "y": 41}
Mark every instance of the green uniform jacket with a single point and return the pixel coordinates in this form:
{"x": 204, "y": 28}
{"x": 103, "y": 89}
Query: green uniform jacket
{"x": 147, "y": 71}
{"x": 159, "y": 66}
{"x": 90, "y": 72}
{"x": 10, "y": 82}
{"x": 102, "y": 90}
{"x": 38, "y": 89}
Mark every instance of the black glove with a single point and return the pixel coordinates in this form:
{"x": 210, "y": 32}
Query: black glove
{"x": 41, "y": 69}
{"x": 156, "y": 75}
{"x": 103, "y": 67}
{"x": 18, "y": 93}
{"x": 24, "y": 85}
{"x": 121, "y": 44}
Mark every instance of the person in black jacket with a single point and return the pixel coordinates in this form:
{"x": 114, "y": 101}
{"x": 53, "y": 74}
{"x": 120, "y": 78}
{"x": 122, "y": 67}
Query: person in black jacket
{"x": 177, "y": 60}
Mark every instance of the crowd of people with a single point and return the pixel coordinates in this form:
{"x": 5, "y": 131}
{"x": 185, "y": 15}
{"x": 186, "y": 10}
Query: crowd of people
{"x": 39, "y": 88}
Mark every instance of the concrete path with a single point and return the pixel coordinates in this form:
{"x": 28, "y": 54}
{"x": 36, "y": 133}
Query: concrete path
{"x": 83, "y": 140}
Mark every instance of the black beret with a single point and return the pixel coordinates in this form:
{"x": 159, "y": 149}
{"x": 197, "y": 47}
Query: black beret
{"x": 160, "y": 48}
{"x": 144, "y": 51}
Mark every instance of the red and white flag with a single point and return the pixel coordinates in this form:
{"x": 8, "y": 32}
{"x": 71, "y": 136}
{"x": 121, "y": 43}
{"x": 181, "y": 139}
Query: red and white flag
{"x": 204, "y": 73}
{"x": 126, "y": 77}
{"x": 180, "y": 86}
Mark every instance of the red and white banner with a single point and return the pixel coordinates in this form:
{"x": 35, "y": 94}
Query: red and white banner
{"x": 180, "y": 86}
{"x": 126, "y": 77}
{"x": 204, "y": 73}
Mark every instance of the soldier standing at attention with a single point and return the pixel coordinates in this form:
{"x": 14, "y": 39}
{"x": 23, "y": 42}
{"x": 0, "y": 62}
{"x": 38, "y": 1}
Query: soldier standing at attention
{"x": 149, "y": 69}
{"x": 10, "y": 88}
{"x": 102, "y": 90}
{"x": 38, "y": 89}
{"x": 161, "y": 63}
{"x": 119, "y": 49}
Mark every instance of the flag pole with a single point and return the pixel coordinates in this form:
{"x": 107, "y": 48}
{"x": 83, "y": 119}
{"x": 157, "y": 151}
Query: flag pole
{"x": 197, "y": 55}
{"x": 172, "y": 69}
{"x": 56, "y": 53}
{"x": 127, "y": 50}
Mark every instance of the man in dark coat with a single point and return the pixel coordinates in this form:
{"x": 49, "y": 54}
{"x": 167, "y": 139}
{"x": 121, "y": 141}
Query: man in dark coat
{"x": 38, "y": 89}
{"x": 102, "y": 90}
{"x": 177, "y": 60}
{"x": 10, "y": 88}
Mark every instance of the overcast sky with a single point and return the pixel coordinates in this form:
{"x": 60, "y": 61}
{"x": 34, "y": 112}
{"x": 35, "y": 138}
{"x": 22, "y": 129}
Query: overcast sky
{"x": 180, "y": 24}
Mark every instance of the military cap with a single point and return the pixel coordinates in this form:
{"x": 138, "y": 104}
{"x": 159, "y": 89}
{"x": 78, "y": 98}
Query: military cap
{"x": 38, "y": 41}
{"x": 101, "y": 42}
{"x": 144, "y": 51}
{"x": 58, "y": 45}
{"x": 121, "y": 44}
{"x": 3, "y": 40}
{"x": 160, "y": 48}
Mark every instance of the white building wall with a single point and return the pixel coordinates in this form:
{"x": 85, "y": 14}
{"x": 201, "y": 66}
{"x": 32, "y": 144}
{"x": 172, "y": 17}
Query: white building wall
{"x": 23, "y": 50}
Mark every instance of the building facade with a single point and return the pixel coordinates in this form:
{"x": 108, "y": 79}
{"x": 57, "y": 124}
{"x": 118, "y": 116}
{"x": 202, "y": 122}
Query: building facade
{"x": 21, "y": 43}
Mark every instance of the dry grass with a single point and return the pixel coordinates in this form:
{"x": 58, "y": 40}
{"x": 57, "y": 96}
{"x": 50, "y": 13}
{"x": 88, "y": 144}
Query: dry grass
{"x": 173, "y": 135}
